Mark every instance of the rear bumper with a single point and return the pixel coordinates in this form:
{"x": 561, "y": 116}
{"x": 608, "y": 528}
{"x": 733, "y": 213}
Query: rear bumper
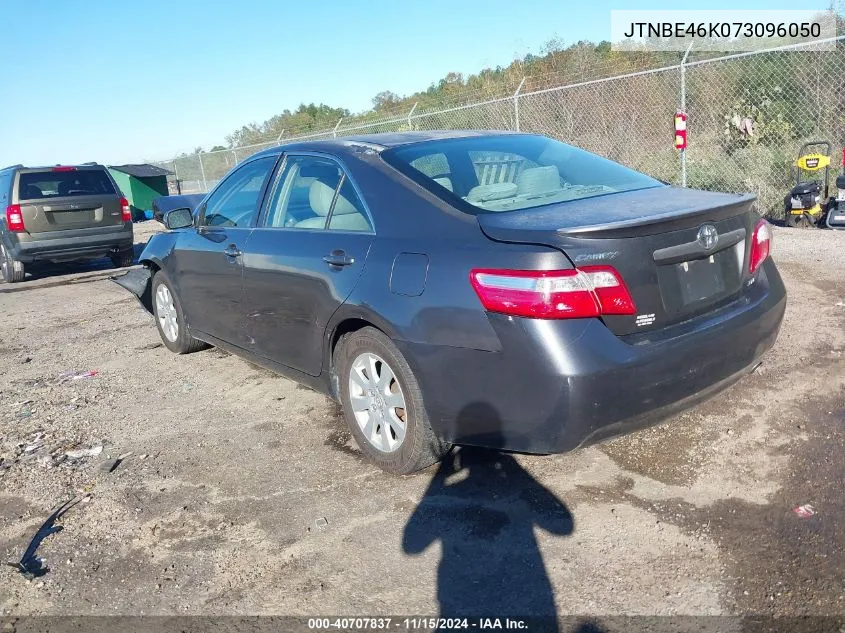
{"x": 558, "y": 385}
{"x": 71, "y": 245}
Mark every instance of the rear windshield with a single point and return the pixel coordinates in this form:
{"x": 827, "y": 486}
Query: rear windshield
{"x": 489, "y": 174}
{"x": 35, "y": 185}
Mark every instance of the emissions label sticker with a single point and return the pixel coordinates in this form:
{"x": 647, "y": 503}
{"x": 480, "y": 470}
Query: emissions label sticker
{"x": 644, "y": 319}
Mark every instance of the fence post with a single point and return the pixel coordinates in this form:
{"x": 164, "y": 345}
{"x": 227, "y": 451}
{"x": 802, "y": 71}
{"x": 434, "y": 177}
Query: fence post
{"x": 279, "y": 137}
{"x": 516, "y": 103}
{"x": 684, "y": 109}
{"x": 235, "y": 154}
{"x": 410, "y": 114}
{"x": 176, "y": 175}
{"x": 334, "y": 131}
{"x": 202, "y": 171}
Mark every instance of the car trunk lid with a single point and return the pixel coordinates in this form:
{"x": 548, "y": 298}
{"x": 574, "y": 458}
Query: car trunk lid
{"x": 681, "y": 252}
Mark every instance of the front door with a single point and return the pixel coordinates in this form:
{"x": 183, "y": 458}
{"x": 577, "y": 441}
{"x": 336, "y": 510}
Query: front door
{"x": 303, "y": 259}
{"x": 208, "y": 260}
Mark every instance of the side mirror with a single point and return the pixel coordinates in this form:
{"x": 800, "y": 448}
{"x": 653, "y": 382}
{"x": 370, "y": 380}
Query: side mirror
{"x": 178, "y": 218}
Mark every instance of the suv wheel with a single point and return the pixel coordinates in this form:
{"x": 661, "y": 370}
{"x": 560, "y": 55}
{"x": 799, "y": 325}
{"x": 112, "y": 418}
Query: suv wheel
{"x": 383, "y": 405}
{"x": 170, "y": 320}
{"x": 123, "y": 259}
{"x": 13, "y": 270}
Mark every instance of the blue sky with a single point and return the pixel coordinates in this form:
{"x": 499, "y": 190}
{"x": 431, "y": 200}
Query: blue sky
{"x": 122, "y": 81}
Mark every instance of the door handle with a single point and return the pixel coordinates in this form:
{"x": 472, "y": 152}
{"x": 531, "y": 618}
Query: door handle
{"x": 338, "y": 258}
{"x": 232, "y": 251}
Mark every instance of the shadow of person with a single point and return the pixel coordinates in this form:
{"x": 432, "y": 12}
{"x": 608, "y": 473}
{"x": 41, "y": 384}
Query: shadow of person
{"x": 483, "y": 507}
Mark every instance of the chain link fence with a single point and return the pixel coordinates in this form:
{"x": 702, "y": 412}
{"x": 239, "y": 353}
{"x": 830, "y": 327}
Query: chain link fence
{"x": 748, "y": 116}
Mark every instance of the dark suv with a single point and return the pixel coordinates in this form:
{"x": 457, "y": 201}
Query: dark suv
{"x": 61, "y": 214}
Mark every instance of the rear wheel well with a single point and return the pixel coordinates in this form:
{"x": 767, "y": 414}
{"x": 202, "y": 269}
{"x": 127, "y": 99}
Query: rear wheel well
{"x": 151, "y": 265}
{"x": 146, "y": 297}
{"x": 344, "y": 328}
{"x": 347, "y": 327}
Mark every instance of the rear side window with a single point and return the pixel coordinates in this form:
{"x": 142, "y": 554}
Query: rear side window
{"x": 36, "y": 185}
{"x": 5, "y": 181}
{"x": 494, "y": 174}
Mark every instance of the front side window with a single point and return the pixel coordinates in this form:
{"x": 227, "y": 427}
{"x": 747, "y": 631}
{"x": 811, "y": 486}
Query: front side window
{"x": 314, "y": 193}
{"x": 492, "y": 174}
{"x": 39, "y": 185}
{"x": 234, "y": 203}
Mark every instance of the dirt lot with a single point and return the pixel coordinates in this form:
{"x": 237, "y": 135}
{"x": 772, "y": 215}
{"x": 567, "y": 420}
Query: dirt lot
{"x": 243, "y": 495}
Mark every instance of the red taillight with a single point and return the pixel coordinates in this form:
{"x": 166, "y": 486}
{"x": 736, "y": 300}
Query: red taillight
{"x": 125, "y": 211}
{"x": 14, "y": 218}
{"x": 761, "y": 245}
{"x": 553, "y": 294}
{"x": 63, "y": 168}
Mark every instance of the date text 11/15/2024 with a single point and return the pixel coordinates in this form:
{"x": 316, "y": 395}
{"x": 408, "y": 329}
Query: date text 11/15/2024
{"x": 415, "y": 623}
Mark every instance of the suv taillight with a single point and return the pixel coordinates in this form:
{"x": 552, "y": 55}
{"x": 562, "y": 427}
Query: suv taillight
{"x": 761, "y": 245}
{"x": 125, "y": 211}
{"x": 14, "y": 218}
{"x": 590, "y": 291}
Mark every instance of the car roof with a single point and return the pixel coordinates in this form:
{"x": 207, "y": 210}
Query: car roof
{"x": 51, "y": 167}
{"x": 395, "y": 139}
{"x": 378, "y": 142}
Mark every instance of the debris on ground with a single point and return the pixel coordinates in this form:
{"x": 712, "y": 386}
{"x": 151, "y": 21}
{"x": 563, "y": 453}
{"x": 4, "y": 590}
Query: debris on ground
{"x": 321, "y": 523}
{"x": 77, "y": 375}
{"x": 37, "y": 443}
{"x": 805, "y": 511}
{"x": 30, "y": 565}
{"x": 84, "y": 452}
{"x": 109, "y": 466}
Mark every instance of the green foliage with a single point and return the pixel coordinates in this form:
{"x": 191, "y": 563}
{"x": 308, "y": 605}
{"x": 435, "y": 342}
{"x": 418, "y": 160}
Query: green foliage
{"x": 305, "y": 118}
{"x": 790, "y": 97}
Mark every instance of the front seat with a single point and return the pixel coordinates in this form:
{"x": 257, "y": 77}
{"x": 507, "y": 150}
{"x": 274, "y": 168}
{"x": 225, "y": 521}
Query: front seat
{"x": 345, "y": 217}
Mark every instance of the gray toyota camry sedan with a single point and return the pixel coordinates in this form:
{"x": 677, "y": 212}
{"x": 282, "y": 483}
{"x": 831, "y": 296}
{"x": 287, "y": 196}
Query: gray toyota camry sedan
{"x": 482, "y": 288}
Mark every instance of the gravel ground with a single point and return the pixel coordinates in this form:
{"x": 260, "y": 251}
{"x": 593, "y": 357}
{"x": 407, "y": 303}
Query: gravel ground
{"x": 239, "y": 492}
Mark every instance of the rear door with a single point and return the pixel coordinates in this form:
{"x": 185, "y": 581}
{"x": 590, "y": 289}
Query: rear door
{"x": 207, "y": 263}
{"x": 68, "y": 198}
{"x": 303, "y": 259}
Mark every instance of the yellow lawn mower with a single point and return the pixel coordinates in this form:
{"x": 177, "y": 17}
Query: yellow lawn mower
{"x": 806, "y": 204}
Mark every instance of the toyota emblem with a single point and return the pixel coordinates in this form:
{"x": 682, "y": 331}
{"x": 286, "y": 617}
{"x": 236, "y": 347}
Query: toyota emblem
{"x": 708, "y": 236}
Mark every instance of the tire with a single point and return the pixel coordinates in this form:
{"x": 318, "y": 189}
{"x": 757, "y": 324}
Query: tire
{"x": 793, "y": 220}
{"x": 123, "y": 259}
{"x": 381, "y": 418}
{"x": 12, "y": 270}
{"x": 181, "y": 342}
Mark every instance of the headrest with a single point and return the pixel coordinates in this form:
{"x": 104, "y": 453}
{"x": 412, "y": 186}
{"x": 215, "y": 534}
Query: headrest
{"x": 539, "y": 180}
{"x": 31, "y": 192}
{"x": 320, "y": 196}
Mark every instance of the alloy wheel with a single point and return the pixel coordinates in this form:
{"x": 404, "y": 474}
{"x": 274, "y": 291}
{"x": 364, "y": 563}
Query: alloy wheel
{"x": 166, "y": 313}
{"x": 378, "y": 403}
